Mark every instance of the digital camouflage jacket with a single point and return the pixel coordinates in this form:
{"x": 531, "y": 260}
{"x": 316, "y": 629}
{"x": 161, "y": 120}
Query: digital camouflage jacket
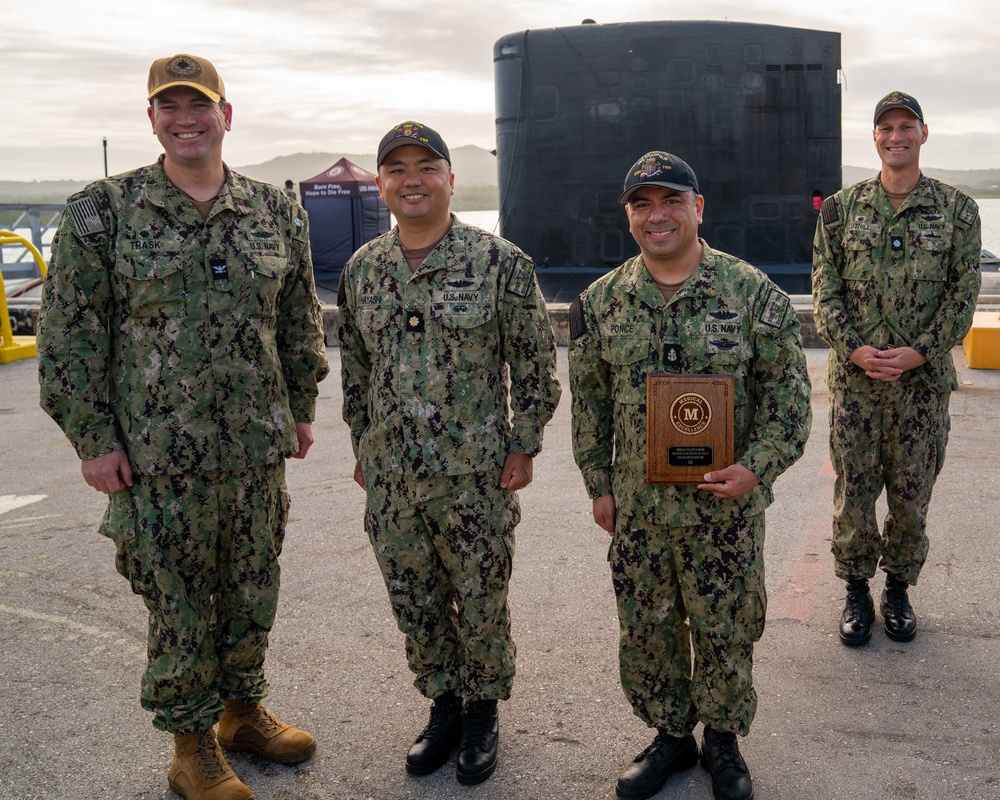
{"x": 896, "y": 279}
{"x": 431, "y": 359}
{"x": 196, "y": 345}
{"x": 728, "y": 318}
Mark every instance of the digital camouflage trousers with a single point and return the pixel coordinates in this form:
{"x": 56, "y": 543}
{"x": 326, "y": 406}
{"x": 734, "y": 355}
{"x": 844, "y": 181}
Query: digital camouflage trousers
{"x": 202, "y": 552}
{"x": 691, "y": 605}
{"x": 445, "y": 547}
{"x": 894, "y": 440}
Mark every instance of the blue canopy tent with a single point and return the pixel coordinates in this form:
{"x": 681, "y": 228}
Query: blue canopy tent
{"x": 345, "y": 211}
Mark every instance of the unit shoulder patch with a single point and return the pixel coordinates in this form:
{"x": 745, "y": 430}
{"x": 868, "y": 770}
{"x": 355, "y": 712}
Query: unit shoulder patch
{"x": 777, "y": 307}
{"x": 520, "y": 280}
{"x": 968, "y": 210}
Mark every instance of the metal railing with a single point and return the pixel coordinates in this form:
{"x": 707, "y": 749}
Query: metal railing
{"x": 41, "y": 219}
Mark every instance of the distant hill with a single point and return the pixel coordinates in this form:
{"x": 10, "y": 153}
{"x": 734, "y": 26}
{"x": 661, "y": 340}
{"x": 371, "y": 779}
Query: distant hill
{"x": 475, "y": 177}
{"x": 473, "y": 166}
{"x": 475, "y": 173}
{"x": 977, "y": 182}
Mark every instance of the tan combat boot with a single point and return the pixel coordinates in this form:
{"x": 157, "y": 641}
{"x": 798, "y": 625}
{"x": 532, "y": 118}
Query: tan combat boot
{"x": 199, "y": 770}
{"x": 251, "y": 727}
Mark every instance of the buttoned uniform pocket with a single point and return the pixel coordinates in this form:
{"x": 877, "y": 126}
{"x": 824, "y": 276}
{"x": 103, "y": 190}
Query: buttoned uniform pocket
{"x": 858, "y": 271}
{"x": 737, "y": 362}
{"x": 929, "y": 248}
{"x": 859, "y": 245}
{"x": 372, "y": 318}
{"x": 628, "y": 357}
{"x": 267, "y": 275}
{"x": 152, "y": 284}
{"x": 373, "y": 324}
{"x": 463, "y": 330}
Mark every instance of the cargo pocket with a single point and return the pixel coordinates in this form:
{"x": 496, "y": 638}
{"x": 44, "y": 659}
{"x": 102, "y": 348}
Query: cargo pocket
{"x": 268, "y": 275}
{"x": 153, "y": 284}
{"x": 928, "y": 260}
{"x": 120, "y": 526}
{"x": 280, "y": 521}
{"x": 628, "y": 357}
{"x": 372, "y": 322}
{"x": 463, "y": 334}
{"x": 752, "y": 613}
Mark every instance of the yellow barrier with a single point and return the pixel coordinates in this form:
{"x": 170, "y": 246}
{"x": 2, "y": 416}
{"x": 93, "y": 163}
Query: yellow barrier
{"x": 14, "y": 347}
{"x": 982, "y": 342}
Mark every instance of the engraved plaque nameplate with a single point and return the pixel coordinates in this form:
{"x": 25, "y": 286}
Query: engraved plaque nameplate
{"x": 689, "y": 426}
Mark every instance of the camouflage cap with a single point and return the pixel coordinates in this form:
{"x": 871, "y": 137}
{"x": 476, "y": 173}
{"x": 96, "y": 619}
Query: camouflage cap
{"x": 412, "y": 133}
{"x": 659, "y": 169}
{"x": 185, "y": 70}
{"x": 897, "y": 100}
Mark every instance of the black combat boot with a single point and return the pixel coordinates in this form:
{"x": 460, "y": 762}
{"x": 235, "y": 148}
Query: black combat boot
{"x": 721, "y": 759}
{"x": 897, "y": 613}
{"x": 480, "y": 739}
{"x": 859, "y": 614}
{"x": 434, "y": 746}
{"x": 649, "y": 770}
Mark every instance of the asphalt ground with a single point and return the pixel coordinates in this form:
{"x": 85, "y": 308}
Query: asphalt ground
{"x": 885, "y": 721}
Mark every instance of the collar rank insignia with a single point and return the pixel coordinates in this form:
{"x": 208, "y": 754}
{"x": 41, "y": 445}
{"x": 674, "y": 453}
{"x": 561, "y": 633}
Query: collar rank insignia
{"x": 671, "y": 353}
{"x": 897, "y": 244}
{"x": 414, "y": 322}
{"x": 220, "y": 270}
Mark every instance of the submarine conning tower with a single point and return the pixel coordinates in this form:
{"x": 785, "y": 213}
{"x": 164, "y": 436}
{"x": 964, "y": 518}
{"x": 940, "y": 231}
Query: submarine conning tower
{"x": 754, "y": 109}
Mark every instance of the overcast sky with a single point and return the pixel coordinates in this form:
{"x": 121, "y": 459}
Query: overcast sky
{"x": 334, "y": 75}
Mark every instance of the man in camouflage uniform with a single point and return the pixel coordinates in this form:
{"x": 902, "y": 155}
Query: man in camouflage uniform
{"x": 895, "y": 281}
{"x": 441, "y": 324}
{"x": 180, "y": 348}
{"x": 687, "y": 561}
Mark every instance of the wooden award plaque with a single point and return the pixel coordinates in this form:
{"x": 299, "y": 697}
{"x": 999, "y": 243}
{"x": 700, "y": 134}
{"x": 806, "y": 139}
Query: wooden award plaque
{"x": 689, "y": 426}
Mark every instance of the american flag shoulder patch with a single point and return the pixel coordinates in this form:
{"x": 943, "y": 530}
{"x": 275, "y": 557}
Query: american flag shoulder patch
{"x": 86, "y": 221}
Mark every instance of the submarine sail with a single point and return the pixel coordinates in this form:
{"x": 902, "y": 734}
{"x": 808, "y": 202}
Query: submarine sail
{"x": 754, "y": 109}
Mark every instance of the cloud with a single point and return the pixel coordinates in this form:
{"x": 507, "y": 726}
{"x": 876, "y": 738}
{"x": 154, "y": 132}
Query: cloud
{"x": 312, "y": 75}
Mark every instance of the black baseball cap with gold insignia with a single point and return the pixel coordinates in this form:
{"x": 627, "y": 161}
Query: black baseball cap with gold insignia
{"x": 898, "y": 100}
{"x": 411, "y": 132}
{"x": 185, "y": 70}
{"x": 658, "y": 168}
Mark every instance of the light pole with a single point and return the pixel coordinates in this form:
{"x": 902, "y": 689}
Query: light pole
{"x": 105, "y": 156}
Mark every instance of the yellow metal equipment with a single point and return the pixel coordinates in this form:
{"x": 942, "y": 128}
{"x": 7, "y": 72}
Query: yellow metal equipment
{"x": 14, "y": 347}
{"x": 982, "y": 342}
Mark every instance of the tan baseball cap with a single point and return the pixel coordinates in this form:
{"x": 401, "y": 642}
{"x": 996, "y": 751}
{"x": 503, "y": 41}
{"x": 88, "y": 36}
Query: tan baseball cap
{"x": 185, "y": 70}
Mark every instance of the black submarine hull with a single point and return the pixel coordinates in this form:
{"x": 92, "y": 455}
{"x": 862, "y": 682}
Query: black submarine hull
{"x": 754, "y": 109}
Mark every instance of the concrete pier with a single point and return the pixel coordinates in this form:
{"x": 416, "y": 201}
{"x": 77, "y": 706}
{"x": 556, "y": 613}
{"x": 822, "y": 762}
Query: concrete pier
{"x": 919, "y": 721}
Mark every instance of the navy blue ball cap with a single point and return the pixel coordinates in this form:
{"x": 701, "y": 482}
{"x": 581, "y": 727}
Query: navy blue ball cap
{"x": 658, "y": 168}
{"x": 898, "y": 100}
{"x": 411, "y": 132}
